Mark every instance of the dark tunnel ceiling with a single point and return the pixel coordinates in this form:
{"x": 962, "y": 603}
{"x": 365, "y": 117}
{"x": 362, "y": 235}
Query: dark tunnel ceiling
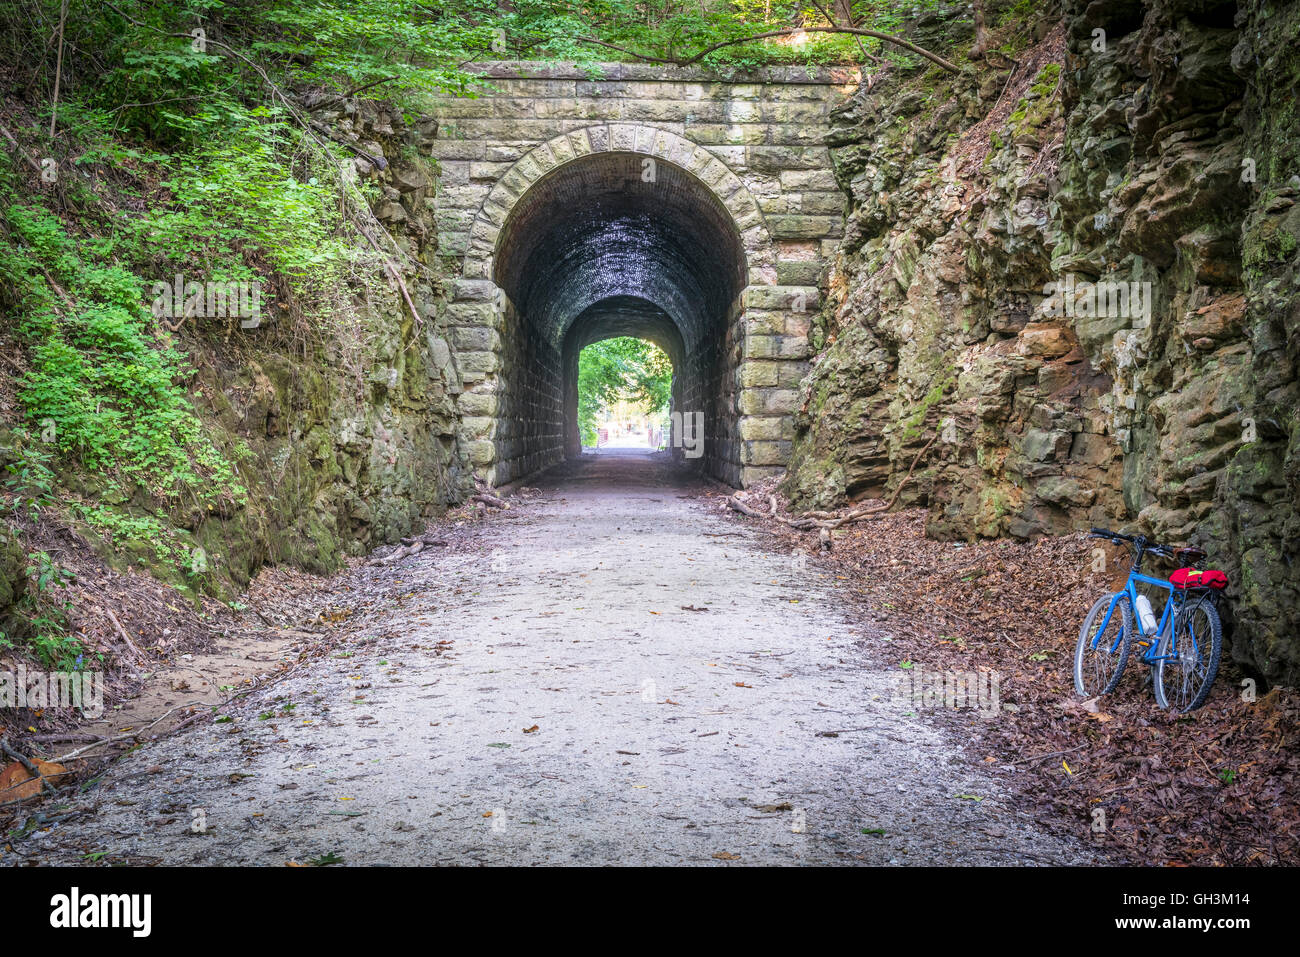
{"x": 594, "y": 229}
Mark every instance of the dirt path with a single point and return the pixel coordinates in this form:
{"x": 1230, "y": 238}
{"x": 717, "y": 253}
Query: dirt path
{"x": 580, "y": 714}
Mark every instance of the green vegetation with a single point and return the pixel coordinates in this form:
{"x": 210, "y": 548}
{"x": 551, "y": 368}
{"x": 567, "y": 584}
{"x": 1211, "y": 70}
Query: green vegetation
{"x": 145, "y": 140}
{"x": 45, "y": 616}
{"x": 101, "y": 385}
{"x": 1039, "y": 105}
{"x": 622, "y": 369}
{"x": 914, "y": 424}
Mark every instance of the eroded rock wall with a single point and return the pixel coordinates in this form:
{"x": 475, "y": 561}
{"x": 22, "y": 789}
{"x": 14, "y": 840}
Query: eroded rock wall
{"x": 354, "y": 435}
{"x": 1143, "y": 151}
{"x": 347, "y": 422}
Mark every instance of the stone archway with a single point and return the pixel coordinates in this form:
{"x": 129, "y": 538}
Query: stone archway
{"x": 567, "y": 243}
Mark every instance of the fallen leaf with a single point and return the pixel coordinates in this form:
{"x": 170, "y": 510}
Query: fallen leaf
{"x": 16, "y": 782}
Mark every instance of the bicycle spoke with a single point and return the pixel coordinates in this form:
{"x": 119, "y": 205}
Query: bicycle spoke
{"x": 1191, "y": 666}
{"x": 1102, "y": 651}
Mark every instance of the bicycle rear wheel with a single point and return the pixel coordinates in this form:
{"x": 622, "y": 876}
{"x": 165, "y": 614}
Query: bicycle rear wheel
{"x": 1182, "y": 682}
{"x": 1099, "y": 658}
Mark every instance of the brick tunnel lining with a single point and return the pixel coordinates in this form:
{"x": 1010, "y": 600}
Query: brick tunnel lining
{"x": 615, "y": 244}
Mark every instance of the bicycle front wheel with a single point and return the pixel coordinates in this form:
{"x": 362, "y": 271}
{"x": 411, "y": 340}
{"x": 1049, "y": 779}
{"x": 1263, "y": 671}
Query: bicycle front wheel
{"x": 1100, "y": 656}
{"x": 1188, "y": 659}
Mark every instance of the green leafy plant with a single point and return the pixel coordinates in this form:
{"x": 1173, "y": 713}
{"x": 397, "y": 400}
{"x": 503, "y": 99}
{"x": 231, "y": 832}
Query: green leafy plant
{"x": 30, "y": 478}
{"x": 46, "y": 611}
{"x": 101, "y": 377}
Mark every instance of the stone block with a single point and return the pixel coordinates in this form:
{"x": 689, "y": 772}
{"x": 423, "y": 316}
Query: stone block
{"x": 481, "y": 452}
{"x": 474, "y": 290}
{"x": 804, "y": 227}
{"x": 765, "y": 453}
{"x": 798, "y": 273}
{"x": 788, "y": 298}
{"x": 488, "y": 172}
{"x": 774, "y": 159}
{"x": 477, "y": 365}
{"x": 808, "y": 179}
{"x": 453, "y": 173}
{"x": 475, "y": 339}
{"x": 478, "y": 403}
{"x": 471, "y": 314}
{"x": 457, "y": 150}
{"x": 822, "y": 204}
{"x": 758, "y": 374}
{"x": 766, "y": 428}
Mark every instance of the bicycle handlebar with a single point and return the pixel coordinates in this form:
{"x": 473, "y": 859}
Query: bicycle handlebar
{"x": 1140, "y": 542}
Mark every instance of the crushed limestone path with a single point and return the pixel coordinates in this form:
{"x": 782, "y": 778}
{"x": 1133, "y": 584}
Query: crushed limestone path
{"x": 582, "y": 713}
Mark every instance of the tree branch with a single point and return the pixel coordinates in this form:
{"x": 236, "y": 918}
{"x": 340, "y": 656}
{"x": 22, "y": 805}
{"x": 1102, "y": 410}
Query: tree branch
{"x": 854, "y": 31}
{"x": 858, "y": 40}
{"x": 58, "y": 69}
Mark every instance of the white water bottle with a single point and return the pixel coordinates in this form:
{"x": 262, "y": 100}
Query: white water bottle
{"x": 1146, "y": 615}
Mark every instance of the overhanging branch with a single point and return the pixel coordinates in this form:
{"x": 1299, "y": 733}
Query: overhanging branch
{"x": 771, "y": 34}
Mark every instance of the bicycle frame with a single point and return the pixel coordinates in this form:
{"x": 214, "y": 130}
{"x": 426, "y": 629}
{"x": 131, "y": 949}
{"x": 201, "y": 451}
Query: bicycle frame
{"x": 1166, "y": 617}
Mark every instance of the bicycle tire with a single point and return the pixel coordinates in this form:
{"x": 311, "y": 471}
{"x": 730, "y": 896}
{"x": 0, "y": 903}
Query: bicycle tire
{"x": 1119, "y": 657}
{"x": 1180, "y": 636}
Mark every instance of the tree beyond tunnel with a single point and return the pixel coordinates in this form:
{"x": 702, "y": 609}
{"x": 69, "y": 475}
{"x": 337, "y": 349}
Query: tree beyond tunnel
{"x": 622, "y": 380}
{"x": 615, "y": 244}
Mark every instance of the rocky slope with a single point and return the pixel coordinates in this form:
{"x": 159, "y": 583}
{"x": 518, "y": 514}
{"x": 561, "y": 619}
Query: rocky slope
{"x": 356, "y": 440}
{"x": 1078, "y": 274}
{"x": 344, "y": 434}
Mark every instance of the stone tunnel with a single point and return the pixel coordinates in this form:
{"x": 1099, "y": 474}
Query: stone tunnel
{"x": 691, "y": 212}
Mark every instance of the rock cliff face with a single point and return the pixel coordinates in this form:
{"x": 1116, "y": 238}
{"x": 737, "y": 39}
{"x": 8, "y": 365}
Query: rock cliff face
{"x": 1079, "y": 279}
{"x": 354, "y": 437}
{"x": 341, "y": 428}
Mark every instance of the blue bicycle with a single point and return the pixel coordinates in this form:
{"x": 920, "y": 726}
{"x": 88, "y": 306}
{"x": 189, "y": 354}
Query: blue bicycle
{"x": 1182, "y": 648}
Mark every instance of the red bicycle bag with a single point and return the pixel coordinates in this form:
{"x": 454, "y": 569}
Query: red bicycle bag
{"x": 1195, "y": 578}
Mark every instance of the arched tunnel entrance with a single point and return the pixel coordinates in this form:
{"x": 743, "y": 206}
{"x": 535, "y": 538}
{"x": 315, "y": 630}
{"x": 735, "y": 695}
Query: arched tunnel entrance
{"x": 616, "y": 244}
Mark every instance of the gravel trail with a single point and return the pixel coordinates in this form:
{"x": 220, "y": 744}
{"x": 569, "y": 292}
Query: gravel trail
{"x": 582, "y": 713}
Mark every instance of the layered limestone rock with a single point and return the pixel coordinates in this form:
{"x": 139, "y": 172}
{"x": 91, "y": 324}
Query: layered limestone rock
{"x": 939, "y": 327}
{"x": 1088, "y": 295}
{"x": 1180, "y": 170}
{"x": 355, "y": 439}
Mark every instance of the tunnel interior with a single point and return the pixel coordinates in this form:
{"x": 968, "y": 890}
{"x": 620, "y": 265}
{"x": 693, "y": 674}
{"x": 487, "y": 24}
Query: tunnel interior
{"x": 615, "y": 244}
